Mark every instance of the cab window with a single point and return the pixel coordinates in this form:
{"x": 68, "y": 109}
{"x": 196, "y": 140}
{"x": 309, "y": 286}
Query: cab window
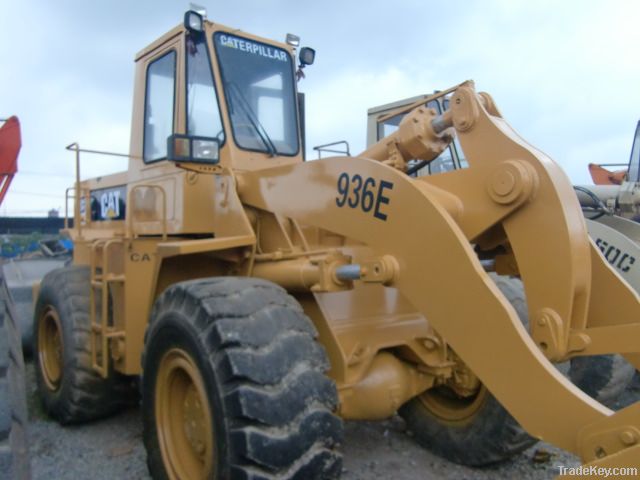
{"x": 259, "y": 84}
{"x": 158, "y": 107}
{"x": 203, "y": 112}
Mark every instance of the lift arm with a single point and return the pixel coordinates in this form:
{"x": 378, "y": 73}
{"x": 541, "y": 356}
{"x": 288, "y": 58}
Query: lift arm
{"x": 517, "y": 195}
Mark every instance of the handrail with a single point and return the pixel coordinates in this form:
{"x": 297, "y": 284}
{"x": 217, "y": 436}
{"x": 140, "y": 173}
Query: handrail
{"x": 84, "y": 195}
{"x": 421, "y": 101}
{"x": 75, "y": 147}
{"x": 322, "y": 148}
{"x": 76, "y": 203}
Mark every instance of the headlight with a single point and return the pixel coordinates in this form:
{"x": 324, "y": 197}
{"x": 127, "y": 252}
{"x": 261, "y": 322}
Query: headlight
{"x": 193, "y": 21}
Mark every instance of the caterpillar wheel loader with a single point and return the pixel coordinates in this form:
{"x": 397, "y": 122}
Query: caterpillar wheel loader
{"x": 263, "y": 299}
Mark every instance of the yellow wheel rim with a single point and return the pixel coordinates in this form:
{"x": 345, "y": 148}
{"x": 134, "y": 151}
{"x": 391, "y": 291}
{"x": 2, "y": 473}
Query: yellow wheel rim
{"x": 50, "y": 348}
{"x": 183, "y": 418}
{"x": 451, "y": 408}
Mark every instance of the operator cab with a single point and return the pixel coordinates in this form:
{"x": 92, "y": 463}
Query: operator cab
{"x": 214, "y": 95}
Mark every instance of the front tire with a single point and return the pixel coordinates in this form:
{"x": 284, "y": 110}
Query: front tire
{"x": 234, "y": 386}
{"x": 475, "y": 430}
{"x": 603, "y": 377}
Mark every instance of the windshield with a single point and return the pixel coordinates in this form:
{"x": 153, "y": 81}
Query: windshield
{"x": 260, "y": 93}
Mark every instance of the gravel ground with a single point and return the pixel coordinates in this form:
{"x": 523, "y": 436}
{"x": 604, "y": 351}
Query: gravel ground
{"x": 112, "y": 448}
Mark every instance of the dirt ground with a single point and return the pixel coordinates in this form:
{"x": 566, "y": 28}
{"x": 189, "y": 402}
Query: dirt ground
{"x": 112, "y": 449}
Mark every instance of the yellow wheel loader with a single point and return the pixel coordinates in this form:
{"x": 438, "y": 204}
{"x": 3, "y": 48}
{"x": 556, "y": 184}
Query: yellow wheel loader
{"x": 263, "y": 299}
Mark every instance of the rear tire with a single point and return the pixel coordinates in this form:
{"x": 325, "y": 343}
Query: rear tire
{"x": 236, "y": 360}
{"x": 70, "y": 389}
{"x": 14, "y": 455}
{"x": 475, "y": 430}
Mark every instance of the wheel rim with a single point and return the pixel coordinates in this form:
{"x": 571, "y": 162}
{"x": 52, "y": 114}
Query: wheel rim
{"x": 183, "y": 418}
{"x": 50, "y": 348}
{"x": 451, "y": 408}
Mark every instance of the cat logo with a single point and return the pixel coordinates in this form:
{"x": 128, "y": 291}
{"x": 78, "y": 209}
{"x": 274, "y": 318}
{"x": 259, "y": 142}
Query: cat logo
{"x": 110, "y": 204}
{"x": 107, "y": 203}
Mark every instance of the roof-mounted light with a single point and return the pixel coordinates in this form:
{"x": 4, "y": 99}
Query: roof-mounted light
{"x": 193, "y": 21}
{"x": 198, "y": 9}
{"x": 293, "y": 40}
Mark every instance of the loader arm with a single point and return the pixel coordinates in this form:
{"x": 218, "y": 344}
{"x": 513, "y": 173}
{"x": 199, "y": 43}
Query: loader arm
{"x": 506, "y": 176}
{"x": 513, "y": 191}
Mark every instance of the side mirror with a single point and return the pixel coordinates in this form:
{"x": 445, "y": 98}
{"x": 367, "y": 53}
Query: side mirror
{"x": 184, "y": 148}
{"x": 307, "y": 56}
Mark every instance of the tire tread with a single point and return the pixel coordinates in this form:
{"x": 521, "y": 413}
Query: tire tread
{"x": 14, "y": 453}
{"x": 278, "y": 403}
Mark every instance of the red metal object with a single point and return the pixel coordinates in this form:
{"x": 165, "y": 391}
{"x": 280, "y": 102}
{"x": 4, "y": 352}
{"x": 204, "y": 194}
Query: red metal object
{"x": 602, "y": 176}
{"x": 10, "y": 143}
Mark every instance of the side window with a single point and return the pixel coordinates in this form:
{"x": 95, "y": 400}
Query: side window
{"x": 390, "y": 125}
{"x": 158, "y": 106}
{"x": 203, "y": 113}
{"x": 634, "y": 163}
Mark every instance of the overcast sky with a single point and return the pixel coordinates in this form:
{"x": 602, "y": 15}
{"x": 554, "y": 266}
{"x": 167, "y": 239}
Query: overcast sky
{"x": 564, "y": 73}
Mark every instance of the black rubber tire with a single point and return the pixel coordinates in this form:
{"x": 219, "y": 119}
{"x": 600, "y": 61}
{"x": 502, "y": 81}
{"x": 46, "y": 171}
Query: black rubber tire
{"x": 82, "y": 394}
{"x": 14, "y": 453}
{"x": 603, "y": 377}
{"x": 264, "y": 373}
{"x": 492, "y": 435}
